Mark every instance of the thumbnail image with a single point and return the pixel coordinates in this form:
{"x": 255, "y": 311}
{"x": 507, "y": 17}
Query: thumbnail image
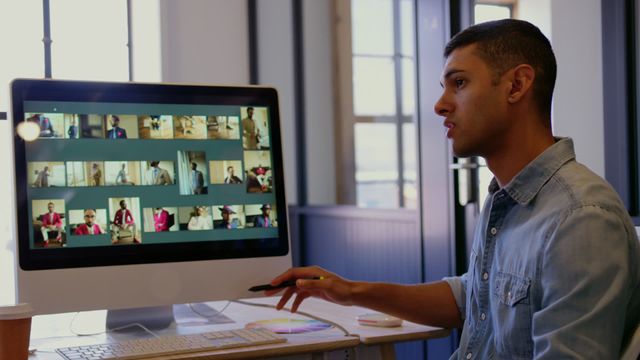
{"x": 261, "y": 216}
{"x": 124, "y": 217}
{"x": 226, "y": 172}
{"x": 258, "y": 171}
{"x": 91, "y": 126}
{"x": 190, "y": 127}
{"x": 51, "y": 125}
{"x": 255, "y": 129}
{"x": 160, "y": 219}
{"x": 85, "y": 173}
{"x": 88, "y": 221}
{"x": 228, "y": 217}
{"x": 192, "y": 168}
{"x": 72, "y": 129}
{"x": 195, "y": 218}
{"x": 121, "y": 126}
{"x": 122, "y": 173}
{"x": 42, "y": 174}
{"x": 155, "y": 126}
{"x": 223, "y": 127}
{"x": 48, "y": 223}
{"x": 157, "y": 172}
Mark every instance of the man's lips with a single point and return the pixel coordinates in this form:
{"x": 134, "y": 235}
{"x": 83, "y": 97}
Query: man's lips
{"x": 449, "y": 126}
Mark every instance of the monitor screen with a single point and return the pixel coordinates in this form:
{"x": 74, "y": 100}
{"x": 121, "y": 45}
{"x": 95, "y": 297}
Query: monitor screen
{"x": 123, "y": 174}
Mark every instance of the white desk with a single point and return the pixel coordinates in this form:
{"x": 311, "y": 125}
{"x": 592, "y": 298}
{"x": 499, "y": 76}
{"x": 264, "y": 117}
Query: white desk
{"x": 53, "y": 331}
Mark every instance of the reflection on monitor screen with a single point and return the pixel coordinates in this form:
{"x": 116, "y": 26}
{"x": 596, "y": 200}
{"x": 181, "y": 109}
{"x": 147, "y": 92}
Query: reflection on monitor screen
{"x": 138, "y": 195}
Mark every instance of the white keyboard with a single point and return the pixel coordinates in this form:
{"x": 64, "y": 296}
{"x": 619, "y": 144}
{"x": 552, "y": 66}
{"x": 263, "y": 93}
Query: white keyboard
{"x": 179, "y": 344}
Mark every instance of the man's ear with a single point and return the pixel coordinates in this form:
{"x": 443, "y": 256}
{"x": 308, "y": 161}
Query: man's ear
{"x": 522, "y": 77}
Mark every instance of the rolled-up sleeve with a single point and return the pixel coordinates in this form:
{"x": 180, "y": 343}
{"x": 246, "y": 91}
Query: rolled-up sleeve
{"x": 458, "y": 285}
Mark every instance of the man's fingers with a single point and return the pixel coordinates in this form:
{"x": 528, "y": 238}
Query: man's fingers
{"x": 285, "y": 297}
{"x": 298, "y": 300}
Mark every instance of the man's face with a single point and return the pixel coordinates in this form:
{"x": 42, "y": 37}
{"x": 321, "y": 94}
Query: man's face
{"x": 266, "y": 212}
{"x": 193, "y": 166}
{"x": 50, "y": 207}
{"x": 473, "y": 105}
{"x": 225, "y": 215}
{"x": 230, "y": 171}
{"x": 250, "y": 113}
{"x": 114, "y": 121}
{"x": 123, "y": 205}
{"x": 89, "y": 217}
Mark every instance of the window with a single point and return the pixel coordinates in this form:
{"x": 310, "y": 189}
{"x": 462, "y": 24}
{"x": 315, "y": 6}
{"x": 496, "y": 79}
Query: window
{"x": 375, "y": 46}
{"x": 89, "y": 42}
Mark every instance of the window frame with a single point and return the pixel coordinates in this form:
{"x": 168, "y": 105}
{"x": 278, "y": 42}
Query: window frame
{"x": 345, "y": 118}
{"x": 620, "y": 85}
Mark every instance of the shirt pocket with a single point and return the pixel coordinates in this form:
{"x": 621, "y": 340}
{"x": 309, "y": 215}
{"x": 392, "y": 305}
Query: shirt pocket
{"x": 512, "y": 311}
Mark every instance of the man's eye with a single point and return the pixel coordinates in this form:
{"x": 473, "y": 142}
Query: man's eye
{"x": 459, "y": 83}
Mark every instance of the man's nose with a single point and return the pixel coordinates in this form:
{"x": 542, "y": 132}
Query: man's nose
{"x": 443, "y": 107}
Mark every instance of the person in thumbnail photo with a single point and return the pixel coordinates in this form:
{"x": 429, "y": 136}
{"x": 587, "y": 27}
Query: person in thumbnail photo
{"x": 200, "y": 219}
{"x": 96, "y": 175}
{"x": 161, "y": 219}
{"x": 264, "y": 220}
{"x": 72, "y": 129}
{"x": 159, "y": 175}
{"x": 116, "y": 132}
{"x": 42, "y": 179}
{"x": 51, "y": 125}
{"x": 123, "y": 221}
{"x": 250, "y": 132}
{"x": 232, "y": 178}
{"x": 197, "y": 180}
{"x": 123, "y": 178}
{"x": 89, "y": 227}
{"x": 51, "y": 225}
{"x": 226, "y": 222}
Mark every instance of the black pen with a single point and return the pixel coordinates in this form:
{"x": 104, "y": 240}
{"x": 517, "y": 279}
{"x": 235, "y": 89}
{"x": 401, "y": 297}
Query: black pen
{"x": 283, "y": 284}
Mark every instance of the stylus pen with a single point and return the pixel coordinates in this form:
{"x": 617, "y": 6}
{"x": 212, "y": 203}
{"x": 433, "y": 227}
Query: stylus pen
{"x": 283, "y": 284}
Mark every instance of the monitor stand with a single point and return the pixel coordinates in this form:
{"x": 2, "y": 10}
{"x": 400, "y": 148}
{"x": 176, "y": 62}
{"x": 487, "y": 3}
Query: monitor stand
{"x": 154, "y": 317}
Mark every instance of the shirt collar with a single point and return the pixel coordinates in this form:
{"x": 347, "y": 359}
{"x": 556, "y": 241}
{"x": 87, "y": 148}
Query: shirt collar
{"x": 528, "y": 182}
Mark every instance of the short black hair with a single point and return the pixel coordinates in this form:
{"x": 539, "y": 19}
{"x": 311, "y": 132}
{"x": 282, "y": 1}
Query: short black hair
{"x": 505, "y": 44}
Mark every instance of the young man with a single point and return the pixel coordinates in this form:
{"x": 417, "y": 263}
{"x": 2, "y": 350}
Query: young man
{"x": 554, "y": 268}
{"x": 89, "y": 227}
{"x": 51, "y": 222}
{"x": 124, "y": 221}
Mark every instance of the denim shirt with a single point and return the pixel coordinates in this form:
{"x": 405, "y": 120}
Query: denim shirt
{"x": 553, "y": 272}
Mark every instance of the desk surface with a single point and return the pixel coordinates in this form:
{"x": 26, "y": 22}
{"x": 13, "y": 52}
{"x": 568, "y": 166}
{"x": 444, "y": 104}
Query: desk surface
{"x": 53, "y": 331}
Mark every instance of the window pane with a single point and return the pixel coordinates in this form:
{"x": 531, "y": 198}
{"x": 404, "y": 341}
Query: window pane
{"x": 408, "y": 87}
{"x": 483, "y": 12}
{"x": 376, "y": 152}
{"x": 373, "y": 86}
{"x": 372, "y": 27}
{"x": 409, "y": 151}
{"x": 377, "y": 195}
{"x": 89, "y": 40}
{"x": 21, "y": 44}
{"x": 407, "y": 32}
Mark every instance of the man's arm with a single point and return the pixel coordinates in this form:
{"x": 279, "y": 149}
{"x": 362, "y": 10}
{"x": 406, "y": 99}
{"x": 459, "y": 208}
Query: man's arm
{"x": 429, "y": 304}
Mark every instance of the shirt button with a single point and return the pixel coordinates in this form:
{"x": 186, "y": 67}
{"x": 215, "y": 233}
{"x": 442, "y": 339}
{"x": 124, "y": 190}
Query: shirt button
{"x": 494, "y": 231}
{"x": 485, "y": 276}
{"x": 483, "y": 316}
{"x": 468, "y": 355}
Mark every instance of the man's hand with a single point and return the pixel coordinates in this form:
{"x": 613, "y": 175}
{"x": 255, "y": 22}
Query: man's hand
{"x": 330, "y": 287}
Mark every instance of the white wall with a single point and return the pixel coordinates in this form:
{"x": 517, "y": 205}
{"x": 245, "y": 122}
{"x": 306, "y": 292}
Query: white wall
{"x": 205, "y": 41}
{"x": 575, "y": 30}
{"x": 576, "y": 34}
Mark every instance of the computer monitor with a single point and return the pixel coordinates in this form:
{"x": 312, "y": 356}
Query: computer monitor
{"x": 135, "y": 195}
